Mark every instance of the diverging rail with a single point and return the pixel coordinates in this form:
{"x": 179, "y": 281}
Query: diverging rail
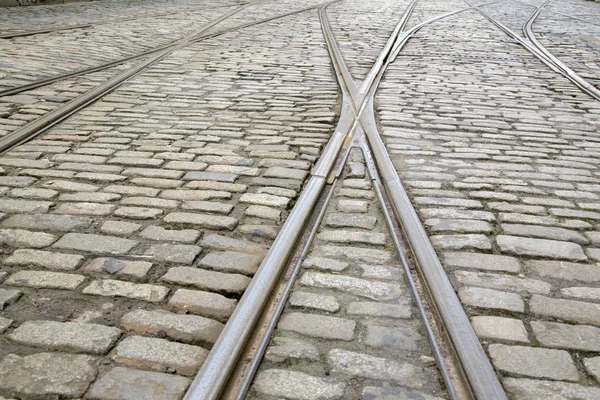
{"x": 357, "y": 116}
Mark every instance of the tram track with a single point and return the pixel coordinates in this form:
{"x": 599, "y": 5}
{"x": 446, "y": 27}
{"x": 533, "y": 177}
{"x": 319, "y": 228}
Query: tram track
{"x": 52, "y": 29}
{"x": 476, "y": 378}
{"x": 532, "y": 44}
{"x": 40, "y": 125}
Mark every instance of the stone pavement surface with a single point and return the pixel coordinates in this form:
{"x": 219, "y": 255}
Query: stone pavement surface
{"x": 130, "y": 230}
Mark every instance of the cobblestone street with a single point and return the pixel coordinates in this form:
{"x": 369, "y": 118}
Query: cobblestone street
{"x": 158, "y": 159}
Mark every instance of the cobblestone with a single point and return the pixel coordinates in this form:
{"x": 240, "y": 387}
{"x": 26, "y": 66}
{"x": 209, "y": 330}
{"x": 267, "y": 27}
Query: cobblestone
{"x": 68, "y": 336}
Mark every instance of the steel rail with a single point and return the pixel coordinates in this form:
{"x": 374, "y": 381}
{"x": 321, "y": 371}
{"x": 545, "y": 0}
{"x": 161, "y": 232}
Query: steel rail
{"x": 478, "y": 371}
{"x": 196, "y": 39}
{"x": 581, "y": 83}
{"x": 554, "y": 12}
{"x": 217, "y": 367}
{"x": 50, "y": 29}
{"x": 537, "y": 49}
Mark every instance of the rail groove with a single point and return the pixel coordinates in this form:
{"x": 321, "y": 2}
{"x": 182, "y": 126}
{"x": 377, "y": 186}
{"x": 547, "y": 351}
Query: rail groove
{"x": 357, "y": 111}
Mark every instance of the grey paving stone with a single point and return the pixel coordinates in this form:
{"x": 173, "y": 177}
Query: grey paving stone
{"x": 285, "y": 173}
{"x": 24, "y": 206}
{"x": 491, "y": 299}
{"x": 85, "y": 208}
{"x": 47, "y": 222}
{"x": 394, "y": 393}
{"x": 259, "y": 231}
{"x": 138, "y": 212}
{"x": 131, "y": 384}
{"x": 565, "y": 270}
{"x": 205, "y": 221}
{"x": 583, "y": 293}
{"x": 297, "y": 385}
{"x": 457, "y": 225}
{"x": 184, "y": 328}
{"x": 534, "y": 362}
{"x": 47, "y": 259}
{"x": 488, "y": 262}
{"x": 138, "y": 291}
{"x": 327, "y": 264}
{"x": 8, "y": 297}
{"x": 159, "y": 355}
{"x": 461, "y": 242}
{"x": 367, "y": 366}
{"x": 175, "y": 253}
{"x": 540, "y": 248}
{"x": 530, "y": 389}
{"x": 5, "y": 323}
{"x": 95, "y": 243}
{"x": 374, "y": 256}
{"x": 500, "y": 328}
{"x": 160, "y": 233}
{"x": 544, "y": 232}
{"x": 284, "y": 348}
{"x": 393, "y": 338}
{"x": 231, "y": 261}
{"x": 374, "y": 290}
{"x": 567, "y": 310}
{"x": 272, "y": 214}
{"x": 123, "y": 267}
{"x": 352, "y": 206}
{"x": 348, "y": 220}
{"x": 47, "y": 374}
{"x": 207, "y": 280}
{"x": 67, "y": 336}
{"x": 503, "y": 282}
{"x": 356, "y": 193}
{"x": 265, "y": 200}
{"x": 343, "y": 236}
{"x": 23, "y": 238}
{"x": 119, "y": 228}
{"x": 209, "y": 176}
{"x": 320, "y": 326}
{"x": 592, "y": 366}
{"x": 224, "y": 243}
{"x": 314, "y": 301}
{"x": 208, "y": 206}
{"x": 577, "y": 337}
{"x": 207, "y": 304}
{"x": 375, "y": 309}
{"x": 45, "y": 280}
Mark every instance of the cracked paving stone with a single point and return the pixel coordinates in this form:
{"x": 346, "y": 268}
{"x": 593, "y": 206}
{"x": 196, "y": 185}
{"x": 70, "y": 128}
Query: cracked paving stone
{"x": 367, "y": 366}
{"x": 360, "y": 287}
{"x": 67, "y": 336}
{"x": 47, "y": 374}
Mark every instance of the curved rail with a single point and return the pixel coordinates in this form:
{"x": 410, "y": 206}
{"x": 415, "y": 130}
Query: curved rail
{"x": 581, "y": 83}
{"x": 537, "y": 49}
